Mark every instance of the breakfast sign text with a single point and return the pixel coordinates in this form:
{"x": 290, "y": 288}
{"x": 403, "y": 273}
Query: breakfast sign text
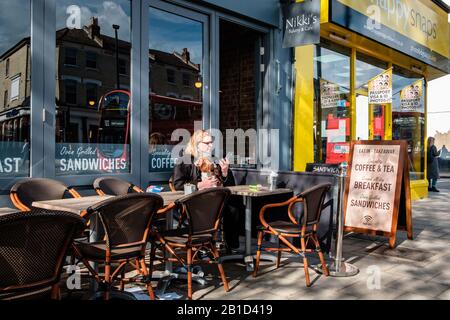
{"x": 377, "y": 189}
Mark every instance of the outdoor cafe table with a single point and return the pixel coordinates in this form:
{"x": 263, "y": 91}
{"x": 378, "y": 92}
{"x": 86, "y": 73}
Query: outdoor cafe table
{"x": 80, "y": 206}
{"x": 5, "y": 211}
{"x": 248, "y": 195}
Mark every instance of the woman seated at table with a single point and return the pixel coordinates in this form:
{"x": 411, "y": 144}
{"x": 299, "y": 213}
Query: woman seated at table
{"x": 194, "y": 168}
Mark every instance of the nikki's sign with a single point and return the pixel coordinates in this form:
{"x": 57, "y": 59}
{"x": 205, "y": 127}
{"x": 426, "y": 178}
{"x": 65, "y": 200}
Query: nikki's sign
{"x": 301, "y": 22}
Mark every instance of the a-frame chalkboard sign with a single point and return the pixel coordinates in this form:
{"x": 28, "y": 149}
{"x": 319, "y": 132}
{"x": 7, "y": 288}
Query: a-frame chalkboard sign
{"x": 377, "y": 197}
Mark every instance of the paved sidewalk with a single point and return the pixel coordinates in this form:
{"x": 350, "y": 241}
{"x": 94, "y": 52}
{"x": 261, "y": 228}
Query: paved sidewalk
{"x": 416, "y": 269}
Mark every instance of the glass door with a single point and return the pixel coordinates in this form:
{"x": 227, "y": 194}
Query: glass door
{"x": 242, "y": 68}
{"x": 178, "y": 54}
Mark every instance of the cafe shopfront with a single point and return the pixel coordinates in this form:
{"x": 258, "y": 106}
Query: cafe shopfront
{"x": 361, "y": 40}
{"x": 92, "y": 88}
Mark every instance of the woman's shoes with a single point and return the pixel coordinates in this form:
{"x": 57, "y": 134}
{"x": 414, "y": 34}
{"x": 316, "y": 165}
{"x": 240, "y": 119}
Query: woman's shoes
{"x": 433, "y": 189}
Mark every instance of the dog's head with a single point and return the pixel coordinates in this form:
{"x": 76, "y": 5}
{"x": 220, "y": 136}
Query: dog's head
{"x": 207, "y": 166}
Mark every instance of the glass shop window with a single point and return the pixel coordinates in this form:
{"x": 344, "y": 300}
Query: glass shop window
{"x": 92, "y": 115}
{"x": 15, "y": 88}
{"x": 332, "y": 116}
{"x": 408, "y": 117}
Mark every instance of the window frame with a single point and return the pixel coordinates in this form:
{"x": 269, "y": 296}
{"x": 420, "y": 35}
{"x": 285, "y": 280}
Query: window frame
{"x": 93, "y": 54}
{"x": 75, "y": 86}
{"x": 168, "y": 77}
{"x": 15, "y": 80}
{"x": 67, "y": 56}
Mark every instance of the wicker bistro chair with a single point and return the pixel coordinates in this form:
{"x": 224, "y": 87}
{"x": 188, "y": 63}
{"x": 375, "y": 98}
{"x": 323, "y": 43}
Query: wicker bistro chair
{"x": 313, "y": 204}
{"x": 32, "y": 251}
{"x": 126, "y": 221}
{"x": 114, "y": 186}
{"x": 24, "y": 192}
{"x": 203, "y": 211}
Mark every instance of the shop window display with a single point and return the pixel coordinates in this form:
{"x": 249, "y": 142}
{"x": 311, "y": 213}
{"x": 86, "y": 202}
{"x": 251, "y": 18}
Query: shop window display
{"x": 332, "y": 103}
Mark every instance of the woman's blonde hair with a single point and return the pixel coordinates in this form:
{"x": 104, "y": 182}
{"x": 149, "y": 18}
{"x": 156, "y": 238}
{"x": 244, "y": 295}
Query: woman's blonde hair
{"x": 430, "y": 139}
{"x": 197, "y": 137}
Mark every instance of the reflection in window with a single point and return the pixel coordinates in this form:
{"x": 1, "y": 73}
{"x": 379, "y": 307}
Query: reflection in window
{"x": 372, "y": 116}
{"x": 408, "y": 117}
{"x": 5, "y": 99}
{"x": 7, "y": 68}
{"x": 332, "y": 103}
{"x": 92, "y": 122}
{"x": 91, "y": 94}
{"x": 71, "y": 91}
{"x": 176, "y": 57}
{"x": 123, "y": 66}
{"x": 186, "y": 79}
{"x": 70, "y": 57}
{"x": 15, "y": 84}
{"x": 171, "y": 76}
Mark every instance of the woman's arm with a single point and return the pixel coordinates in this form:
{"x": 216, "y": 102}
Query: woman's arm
{"x": 434, "y": 151}
{"x": 229, "y": 179}
{"x": 179, "y": 176}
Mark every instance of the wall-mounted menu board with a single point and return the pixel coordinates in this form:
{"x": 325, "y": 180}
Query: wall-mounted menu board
{"x": 377, "y": 197}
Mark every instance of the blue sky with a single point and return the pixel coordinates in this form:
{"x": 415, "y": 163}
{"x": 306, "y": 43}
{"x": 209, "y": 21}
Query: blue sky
{"x": 169, "y": 32}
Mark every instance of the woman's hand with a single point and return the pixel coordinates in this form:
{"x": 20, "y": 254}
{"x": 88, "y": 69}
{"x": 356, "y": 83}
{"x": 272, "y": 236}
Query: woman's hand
{"x": 224, "y": 165}
{"x": 209, "y": 182}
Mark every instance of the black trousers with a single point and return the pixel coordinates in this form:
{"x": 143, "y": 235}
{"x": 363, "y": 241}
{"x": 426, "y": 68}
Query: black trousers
{"x": 232, "y": 211}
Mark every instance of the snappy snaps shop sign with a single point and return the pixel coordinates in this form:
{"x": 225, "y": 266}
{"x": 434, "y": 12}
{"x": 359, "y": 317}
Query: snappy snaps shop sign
{"x": 301, "y": 22}
{"x": 377, "y": 190}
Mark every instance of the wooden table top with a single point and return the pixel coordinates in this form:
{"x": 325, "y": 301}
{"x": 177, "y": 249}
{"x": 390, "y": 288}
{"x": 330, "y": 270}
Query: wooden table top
{"x": 79, "y": 205}
{"x": 170, "y": 197}
{"x": 74, "y": 205}
{"x": 244, "y": 190}
{"x": 7, "y": 210}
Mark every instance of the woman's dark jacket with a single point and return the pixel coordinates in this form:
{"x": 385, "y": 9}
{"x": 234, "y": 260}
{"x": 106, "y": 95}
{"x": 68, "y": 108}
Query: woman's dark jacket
{"x": 433, "y": 165}
{"x": 185, "y": 171}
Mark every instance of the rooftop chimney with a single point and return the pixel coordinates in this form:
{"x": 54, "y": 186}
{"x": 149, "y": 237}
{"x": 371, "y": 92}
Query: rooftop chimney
{"x": 93, "y": 29}
{"x": 186, "y": 55}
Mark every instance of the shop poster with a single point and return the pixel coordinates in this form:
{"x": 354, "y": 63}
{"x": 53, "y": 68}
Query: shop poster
{"x": 380, "y": 88}
{"x": 329, "y": 94}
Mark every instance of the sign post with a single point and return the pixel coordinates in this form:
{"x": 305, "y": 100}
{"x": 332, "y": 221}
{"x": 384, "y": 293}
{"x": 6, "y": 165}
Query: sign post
{"x": 340, "y": 268}
{"x": 377, "y": 196}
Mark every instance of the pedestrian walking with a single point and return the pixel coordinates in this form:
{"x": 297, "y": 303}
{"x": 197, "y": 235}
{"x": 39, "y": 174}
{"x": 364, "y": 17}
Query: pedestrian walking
{"x": 433, "y": 165}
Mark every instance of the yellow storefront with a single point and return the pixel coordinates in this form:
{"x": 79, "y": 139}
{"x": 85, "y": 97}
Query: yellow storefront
{"x": 361, "y": 39}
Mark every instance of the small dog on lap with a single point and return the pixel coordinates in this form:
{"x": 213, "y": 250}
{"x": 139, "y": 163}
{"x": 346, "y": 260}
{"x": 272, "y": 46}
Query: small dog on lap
{"x": 209, "y": 168}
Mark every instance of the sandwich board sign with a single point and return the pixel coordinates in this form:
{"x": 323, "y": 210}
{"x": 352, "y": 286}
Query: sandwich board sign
{"x": 377, "y": 199}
